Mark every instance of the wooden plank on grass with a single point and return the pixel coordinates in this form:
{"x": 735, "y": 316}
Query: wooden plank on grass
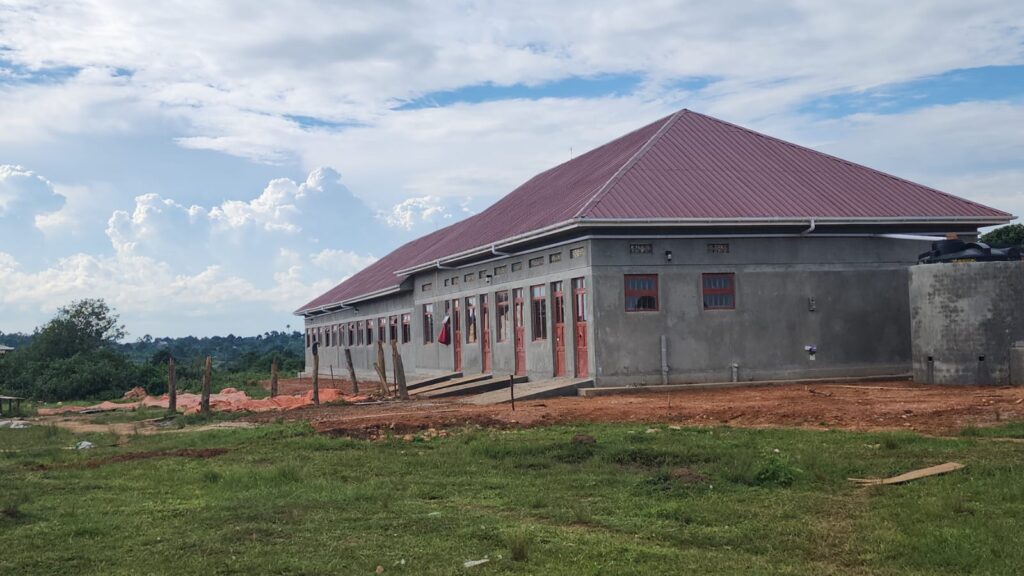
{"x": 908, "y": 476}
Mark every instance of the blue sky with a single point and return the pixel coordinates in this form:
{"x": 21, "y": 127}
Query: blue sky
{"x": 209, "y": 167}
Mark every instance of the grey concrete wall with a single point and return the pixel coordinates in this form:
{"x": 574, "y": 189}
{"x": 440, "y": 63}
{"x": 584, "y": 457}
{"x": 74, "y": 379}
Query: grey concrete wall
{"x": 487, "y": 278}
{"x": 363, "y": 356}
{"x": 966, "y": 317}
{"x": 860, "y": 322}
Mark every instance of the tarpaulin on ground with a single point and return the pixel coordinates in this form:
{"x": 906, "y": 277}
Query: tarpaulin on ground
{"x": 227, "y": 400}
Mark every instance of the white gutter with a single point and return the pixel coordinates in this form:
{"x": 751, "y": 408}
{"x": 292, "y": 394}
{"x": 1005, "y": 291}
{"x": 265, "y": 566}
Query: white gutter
{"x": 809, "y": 230}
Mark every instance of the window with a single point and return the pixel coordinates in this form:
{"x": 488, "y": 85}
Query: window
{"x": 382, "y": 330}
{"x": 308, "y": 338}
{"x": 641, "y": 248}
{"x": 352, "y": 334}
{"x": 517, "y": 266}
{"x": 357, "y": 326}
{"x": 482, "y": 274}
{"x": 428, "y": 323}
{"x": 455, "y": 280}
{"x": 427, "y": 287}
{"x": 539, "y": 307}
{"x": 447, "y": 281}
{"x": 641, "y": 292}
{"x": 406, "y": 328}
{"x": 393, "y": 333}
{"x": 538, "y": 261}
{"x": 499, "y": 270}
{"x": 369, "y": 332}
{"x": 718, "y": 248}
{"x": 327, "y": 341}
{"x": 501, "y": 315}
{"x": 576, "y": 253}
{"x": 468, "y": 277}
{"x": 471, "y": 320}
{"x": 579, "y": 294}
{"x": 556, "y": 257}
{"x": 719, "y": 291}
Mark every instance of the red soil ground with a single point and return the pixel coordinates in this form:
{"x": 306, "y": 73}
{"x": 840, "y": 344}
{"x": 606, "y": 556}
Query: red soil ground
{"x": 897, "y": 405}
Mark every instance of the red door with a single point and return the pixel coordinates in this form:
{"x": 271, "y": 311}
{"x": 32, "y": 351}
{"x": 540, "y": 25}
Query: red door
{"x": 457, "y": 335}
{"x": 485, "y": 333}
{"x": 558, "y": 323}
{"x": 518, "y": 331}
{"x": 579, "y": 318}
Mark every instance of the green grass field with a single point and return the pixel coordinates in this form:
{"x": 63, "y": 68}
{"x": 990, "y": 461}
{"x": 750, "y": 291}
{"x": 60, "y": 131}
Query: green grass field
{"x": 283, "y": 500}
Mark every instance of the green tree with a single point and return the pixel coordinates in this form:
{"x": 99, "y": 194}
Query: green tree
{"x": 1009, "y": 235}
{"x": 82, "y": 326}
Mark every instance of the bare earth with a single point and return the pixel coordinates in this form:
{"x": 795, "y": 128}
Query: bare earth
{"x": 897, "y": 405}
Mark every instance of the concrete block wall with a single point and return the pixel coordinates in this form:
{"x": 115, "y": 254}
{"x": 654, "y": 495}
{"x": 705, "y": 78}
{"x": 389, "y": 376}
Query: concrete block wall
{"x": 856, "y": 287}
{"x": 965, "y": 319}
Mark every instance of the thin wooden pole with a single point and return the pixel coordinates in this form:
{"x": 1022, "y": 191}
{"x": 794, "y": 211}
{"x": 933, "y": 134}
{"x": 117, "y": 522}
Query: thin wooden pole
{"x": 351, "y": 371}
{"x": 316, "y": 378}
{"x": 382, "y": 369}
{"x": 172, "y": 387}
{"x": 204, "y": 406}
{"x": 399, "y": 369}
{"x": 273, "y": 378}
{"x": 512, "y": 390}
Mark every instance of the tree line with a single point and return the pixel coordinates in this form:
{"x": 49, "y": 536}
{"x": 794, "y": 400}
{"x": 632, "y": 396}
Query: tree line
{"x": 78, "y": 355}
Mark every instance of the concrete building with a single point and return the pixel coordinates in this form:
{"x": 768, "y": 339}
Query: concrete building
{"x": 688, "y": 250}
{"x": 5, "y": 349}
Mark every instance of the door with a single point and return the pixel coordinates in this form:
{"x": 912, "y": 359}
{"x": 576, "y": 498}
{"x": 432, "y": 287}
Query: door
{"x": 579, "y": 320}
{"x": 485, "y": 334}
{"x": 457, "y": 335}
{"x": 558, "y": 326}
{"x": 518, "y": 333}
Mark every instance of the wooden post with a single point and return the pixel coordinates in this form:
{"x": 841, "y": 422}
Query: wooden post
{"x": 512, "y": 390}
{"x": 204, "y": 405}
{"x": 399, "y": 368}
{"x": 351, "y": 371}
{"x": 172, "y": 388}
{"x": 331, "y": 366}
{"x": 381, "y": 368}
{"x": 273, "y": 378}
{"x": 316, "y": 378}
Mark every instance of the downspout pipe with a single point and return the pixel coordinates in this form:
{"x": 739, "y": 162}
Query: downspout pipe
{"x": 809, "y": 230}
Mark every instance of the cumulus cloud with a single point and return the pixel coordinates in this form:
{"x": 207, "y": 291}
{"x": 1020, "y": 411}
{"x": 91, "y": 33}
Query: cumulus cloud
{"x": 413, "y": 211}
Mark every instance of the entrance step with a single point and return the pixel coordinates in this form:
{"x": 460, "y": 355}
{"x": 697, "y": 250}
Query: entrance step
{"x": 437, "y": 386}
{"x": 533, "y": 391}
{"x": 432, "y": 380}
{"x": 474, "y": 387}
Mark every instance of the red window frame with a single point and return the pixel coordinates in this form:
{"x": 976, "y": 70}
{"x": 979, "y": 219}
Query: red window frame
{"x": 470, "y": 320}
{"x": 718, "y": 290}
{"x": 428, "y": 323}
{"x": 501, "y": 315}
{"x": 539, "y": 312}
{"x": 406, "y": 328}
{"x": 636, "y": 288}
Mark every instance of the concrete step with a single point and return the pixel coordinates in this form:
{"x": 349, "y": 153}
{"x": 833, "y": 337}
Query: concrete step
{"x": 437, "y": 386}
{"x": 474, "y": 387}
{"x": 533, "y": 391}
{"x": 432, "y": 380}
{"x": 613, "y": 390}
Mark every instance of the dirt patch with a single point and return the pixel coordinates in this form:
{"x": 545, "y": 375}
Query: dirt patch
{"x": 201, "y": 453}
{"x": 896, "y": 405}
{"x": 687, "y": 476}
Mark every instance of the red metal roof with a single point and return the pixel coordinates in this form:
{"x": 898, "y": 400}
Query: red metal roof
{"x": 686, "y": 166}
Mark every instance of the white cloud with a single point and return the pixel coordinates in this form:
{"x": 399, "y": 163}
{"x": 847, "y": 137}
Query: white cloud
{"x": 410, "y": 212}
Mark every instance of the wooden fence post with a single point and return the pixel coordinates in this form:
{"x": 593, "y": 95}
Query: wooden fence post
{"x": 204, "y": 405}
{"x": 172, "y": 388}
{"x": 399, "y": 369}
{"x": 273, "y": 378}
{"x": 351, "y": 371}
{"x": 316, "y": 378}
{"x": 382, "y": 369}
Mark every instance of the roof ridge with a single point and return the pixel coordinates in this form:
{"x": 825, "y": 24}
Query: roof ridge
{"x": 628, "y": 164}
{"x": 844, "y": 161}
